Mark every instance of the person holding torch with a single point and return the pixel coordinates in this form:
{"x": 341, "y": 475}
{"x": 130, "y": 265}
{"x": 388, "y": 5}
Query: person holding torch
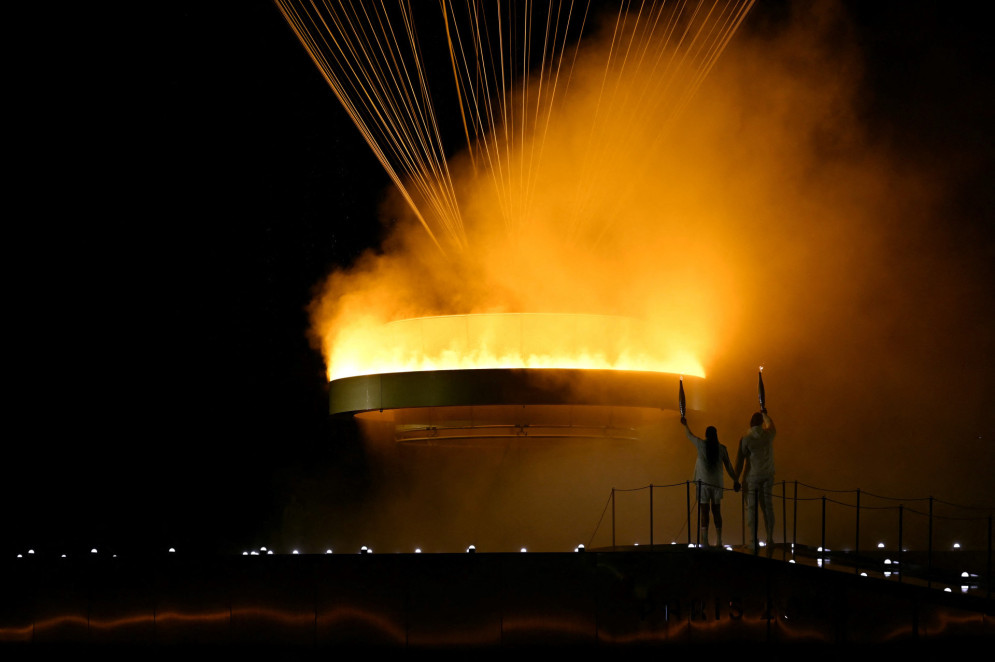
{"x": 712, "y": 456}
{"x": 757, "y": 447}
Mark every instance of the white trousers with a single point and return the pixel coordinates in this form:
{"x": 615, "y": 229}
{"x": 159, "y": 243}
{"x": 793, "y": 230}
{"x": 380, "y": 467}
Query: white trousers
{"x": 766, "y": 488}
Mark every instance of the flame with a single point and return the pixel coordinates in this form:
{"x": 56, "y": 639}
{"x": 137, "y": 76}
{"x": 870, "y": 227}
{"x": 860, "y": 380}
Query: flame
{"x": 506, "y": 340}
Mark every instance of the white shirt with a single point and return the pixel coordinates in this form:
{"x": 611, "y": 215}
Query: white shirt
{"x": 757, "y": 445}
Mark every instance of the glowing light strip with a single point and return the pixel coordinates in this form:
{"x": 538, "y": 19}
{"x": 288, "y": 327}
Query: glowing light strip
{"x": 507, "y": 341}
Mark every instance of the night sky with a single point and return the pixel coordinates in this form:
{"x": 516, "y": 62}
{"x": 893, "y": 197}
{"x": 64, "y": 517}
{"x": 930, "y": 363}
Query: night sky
{"x": 178, "y": 193}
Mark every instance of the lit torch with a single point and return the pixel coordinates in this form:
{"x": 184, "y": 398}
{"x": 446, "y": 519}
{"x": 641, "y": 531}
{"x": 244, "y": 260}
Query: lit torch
{"x": 681, "y": 402}
{"x": 760, "y": 391}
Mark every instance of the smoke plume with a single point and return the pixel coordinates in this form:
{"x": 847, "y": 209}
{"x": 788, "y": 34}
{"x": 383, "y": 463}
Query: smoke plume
{"x": 771, "y": 222}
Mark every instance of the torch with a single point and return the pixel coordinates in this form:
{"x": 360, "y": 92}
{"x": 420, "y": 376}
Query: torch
{"x": 760, "y": 391}
{"x": 681, "y": 402}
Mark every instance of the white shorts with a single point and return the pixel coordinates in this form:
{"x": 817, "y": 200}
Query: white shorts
{"x": 710, "y": 494}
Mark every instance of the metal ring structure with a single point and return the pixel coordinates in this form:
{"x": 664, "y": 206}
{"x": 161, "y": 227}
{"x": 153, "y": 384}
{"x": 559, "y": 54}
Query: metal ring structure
{"x": 453, "y": 405}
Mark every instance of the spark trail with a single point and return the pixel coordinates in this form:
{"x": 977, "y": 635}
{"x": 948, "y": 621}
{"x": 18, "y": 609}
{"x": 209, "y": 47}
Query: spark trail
{"x": 511, "y": 69}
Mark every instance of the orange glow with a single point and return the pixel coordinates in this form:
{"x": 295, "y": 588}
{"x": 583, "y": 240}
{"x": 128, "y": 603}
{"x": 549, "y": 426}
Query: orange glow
{"x": 455, "y": 342}
{"x": 784, "y": 215}
{"x": 569, "y": 232}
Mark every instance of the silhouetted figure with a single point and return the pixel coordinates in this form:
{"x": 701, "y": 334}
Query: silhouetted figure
{"x": 708, "y": 470}
{"x": 756, "y": 448}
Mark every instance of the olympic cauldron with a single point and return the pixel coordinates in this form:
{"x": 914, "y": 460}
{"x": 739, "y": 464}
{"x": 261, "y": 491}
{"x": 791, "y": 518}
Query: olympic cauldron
{"x": 471, "y": 378}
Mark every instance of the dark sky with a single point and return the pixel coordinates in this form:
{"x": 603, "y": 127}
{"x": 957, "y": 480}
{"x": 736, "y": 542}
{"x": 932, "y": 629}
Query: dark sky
{"x": 179, "y": 188}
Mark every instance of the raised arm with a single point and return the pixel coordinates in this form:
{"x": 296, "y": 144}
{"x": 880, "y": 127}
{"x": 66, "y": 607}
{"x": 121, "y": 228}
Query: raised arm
{"x": 694, "y": 439}
{"x": 691, "y": 437}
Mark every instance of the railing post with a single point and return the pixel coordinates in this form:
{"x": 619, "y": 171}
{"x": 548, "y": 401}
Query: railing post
{"x": 687, "y": 496}
{"x": 613, "y": 519}
{"x": 856, "y": 544}
{"x": 697, "y": 535}
{"x": 742, "y": 510}
{"x": 651, "y": 515}
{"x": 784, "y": 519}
{"x": 989, "y": 557}
{"x": 756, "y": 522}
{"x": 929, "y": 553}
{"x": 901, "y": 561}
{"x": 822, "y": 553}
{"x": 794, "y": 524}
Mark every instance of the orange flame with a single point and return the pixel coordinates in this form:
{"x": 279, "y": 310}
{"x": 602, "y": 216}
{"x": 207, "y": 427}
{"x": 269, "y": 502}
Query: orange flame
{"x": 508, "y": 340}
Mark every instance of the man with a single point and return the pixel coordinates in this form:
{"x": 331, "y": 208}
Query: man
{"x": 756, "y": 448}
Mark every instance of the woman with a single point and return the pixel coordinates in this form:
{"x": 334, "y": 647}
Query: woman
{"x": 712, "y": 456}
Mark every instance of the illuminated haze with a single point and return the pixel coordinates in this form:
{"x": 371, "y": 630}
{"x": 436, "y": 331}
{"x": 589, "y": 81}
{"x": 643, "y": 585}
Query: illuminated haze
{"x": 766, "y": 225}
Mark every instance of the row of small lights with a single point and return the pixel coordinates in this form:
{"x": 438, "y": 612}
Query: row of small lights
{"x": 964, "y": 575}
{"x": 172, "y": 550}
{"x": 580, "y": 548}
{"x": 269, "y": 552}
{"x": 887, "y": 573}
{"x": 471, "y": 549}
{"x": 368, "y": 550}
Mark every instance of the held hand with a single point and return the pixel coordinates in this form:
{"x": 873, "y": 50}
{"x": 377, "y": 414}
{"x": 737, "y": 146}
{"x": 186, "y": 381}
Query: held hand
{"x": 736, "y": 487}
{"x": 684, "y": 421}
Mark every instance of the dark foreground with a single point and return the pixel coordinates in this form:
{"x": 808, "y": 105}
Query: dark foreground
{"x": 491, "y": 605}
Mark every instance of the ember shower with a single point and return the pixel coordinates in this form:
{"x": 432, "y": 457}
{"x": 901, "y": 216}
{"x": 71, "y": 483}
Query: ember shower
{"x": 564, "y": 109}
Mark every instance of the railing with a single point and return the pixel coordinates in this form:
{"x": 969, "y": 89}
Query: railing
{"x": 916, "y": 555}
